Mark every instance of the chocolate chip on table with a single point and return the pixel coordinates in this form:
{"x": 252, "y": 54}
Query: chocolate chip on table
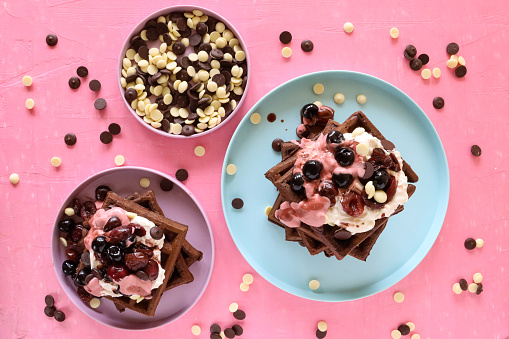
{"x": 166, "y": 185}
{"x": 70, "y": 139}
{"x": 276, "y": 144}
{"x": 307, "y": 45}
{"x": 460, "y": 71}
{"x": 94, "y": 85}
{"x": 238, "y": 329}
{"x": 239, "y": 315}
{"x": 182, "y": 175}
{"x": 415, "y": 64}
{"x": 82, "y": 71}
{"x": 476, "y": 151}
{"x": 237, "y": 203}
{"x": 106, "y": 137}
{"x": 404, "y": 329}
{"x": 100, "y": 104}
{"x": 74, "y": 82}
{"x": 156, "y": 233}
{"x": 49, "y": 300}
{"x": 229, "y": 333}
{"x": 215, "y": 336}
{"x": 51, "y": 39}
{"x": 424, "y": 58}
{"x": 463, "y": 285}
{"x": 470, "y": 244}
{"x": 320, "y": 334}
{"x": 285, "y": 37}
{"x": 438, "y": 102}
{"x": 114, "y": 128}
{"x": 410, "y": 52}
{"x": 271, "y": 117}
{"x": 479, "y": 289}
{"x": 49, "y": 311}
{"x": 215, "y": 328}
{"x": 452, "y": 48}
{"x": 59, "y": 316}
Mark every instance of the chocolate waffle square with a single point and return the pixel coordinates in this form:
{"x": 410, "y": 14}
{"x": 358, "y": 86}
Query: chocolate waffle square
{"x": 174, "y": 233}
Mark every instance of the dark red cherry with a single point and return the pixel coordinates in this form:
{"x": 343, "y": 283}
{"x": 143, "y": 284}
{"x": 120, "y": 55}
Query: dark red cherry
{"x": 99, "y": 244}
{"x": 66, "y": 225}
{"x": 152, "y": 269}
{"x": 309, "y": 111}
{"x": 113, "y": 222}
{"x": 117, "y": 271}
{"x": 101, "y": 192}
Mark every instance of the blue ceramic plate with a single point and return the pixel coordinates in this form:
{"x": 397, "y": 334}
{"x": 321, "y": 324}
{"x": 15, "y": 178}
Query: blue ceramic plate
{"x": 408, "y": 236}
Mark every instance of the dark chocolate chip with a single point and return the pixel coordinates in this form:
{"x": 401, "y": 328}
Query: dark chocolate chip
{"x": 131, "y": 77}
{"x": 142, "y": 275}
{"x": 161, "y": 28}
{"x": 215, "y": 336}
{"x": 70, "y": 139}
{"x": 156, "y": 233}
{"x": 201, "y": 28}
{"x": 463, "y": 285}
{"x": 342, "y": 234}
{"x": 188, "y": 130}
{"x": 411, "y": 51}
{"x": 320, "y": 334}
{"x": 228, "y": 49}
{"x": 182, "y": 100}
{"x": 179, "y": 48}
{"x": 415, "y": 64}
{"x": 211, "y": 24}
{"x": 452, "y": 48}
{"x": 152, "y": 34}
{"x": 470, "y": 244}
{"x": 194, "y": 39}
{"x": 460, "y": 71}
{"x": 59, "y": 316}
{"x": 135, "y": 39}
{"x": 89, "y": 278}
{"x": 205, "y": 65}
{"x": 165, "y": 125}
{"x": 215, "y": 328}
{"x": 285, "y": 37}
{"x": 238, "y": 329}
{"x": 49, "y": 311}
{"x": 186, "y": 33}
{"x": 219, "y": 79}
{"x": 408, "y": 57}
{"x": 181, "y": 24}
{"x": 181, "y": 175}
{"x": 404, "y": 329}
{"x": 424, "y": 58}
{"x": 276, "y": 144}
{"x": 387, "y": 145}
{"x": 167, "y": 39}
{"x": 150, "y": 23}
{"x": 229, "y": 333}
{"x": 106, "y": 137}
{"x": 183, "y": 76}
{"x": 166, "y": 185}
{"x": 185, "y": 62}
{"x": 82, "y": 71}
{"x": 205, "y": 47}
{"x": 203, "y": 102}
{"x": 179, "y": 120}
{"x": 476, "y": 150}
{"x": 226, "y": 64}
{"x": 438, "y": 102}
{"x": 114, "y": 128}
{"x": 74, "y": 82}
{"x": 307, "y": 45}
{"x": 100, "y": 104}
{"x": 193, "y": 116}
{"x": 239, "y": 315}
{"x": 94, "y": 85}
{"x": 49, "y": 300}
{"x": 85, "y": 258}
{"x": 143, "y": 52}
{"x": 51, "y": 39}
{"x": 237, "y": 203}
{"x": 216, "y": 54}
{"x": 138, "y": 44}
{"x": 130, "y": 94}
{"x": 227, "y": 76}
{"x": 479, "y": 289}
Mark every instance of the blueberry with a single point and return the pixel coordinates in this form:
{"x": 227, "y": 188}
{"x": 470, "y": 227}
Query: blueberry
{"x": 342, "y": 180}
{"x": 113, "y": 222}
{"x": 309, "y": 111}
{"x": 380, "y": 179}
{"x": 101, "y": 192}
{"x": 66, "y": 225}
{"x": 297, "y": 182}
{"x": 312, "y": 169}
{"x": 99, "y": 244}
{"x": 344, "y": 156}
{"x": 81, "y": 276}
{"x": 335, "y": 137}
{"x": 69, "y": 267}
{"x": 114, "y": 253}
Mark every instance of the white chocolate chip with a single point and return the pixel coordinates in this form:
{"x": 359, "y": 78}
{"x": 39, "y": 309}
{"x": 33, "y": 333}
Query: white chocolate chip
{"x": 452, "y": 63}
{"x": 199, "y": 151}
{"x": 339, "y": 98}
{"x": 479, "y": 243}
{"x": 268, "y": 209}
{"x": 231, "y": 169}
{"x": 456, "y": 288}
{"x": 240, "y": 56}
{"x": 233, "y": 307}
{"x": 477, "y": 278}
{"x": 322, "y": 326}
{"x": 395, "y": 334}
{"x": 314, "y": 284}
{"x": 370, "y": 189}
{"x": 362, "y": 149}
{"x": 361, "y": 99}
{"x": 63, "y": 241}
{"x": 248, "y": 278}
{"x": 399, "y": 297}
{"x": 95, "y": 302}
{"x": 244, "y": 287}
{"x": 436, "y": 73}
{"x": 286, "y": 52}
{"x": 380, "y": 196}
{"x": 176, "y": 129}
{"x": 472, "y": 288}
{"x": 411, "y": 325}
{"x": 131, "y": 215}
{"x": 255, "y": 118}
{"x": 348, "y": 27}
{"x": 318, "y": 88}
{"x": 220, "y": 27}
{"x": 196, "y": 330}
{"x": 144, "y": 182}
{"x": 461, "y": 61}
{"x": 415, "y": 336}
{"x": 69, "y": 211}
{"x": 426, "y": 73}
{"x": 394, "y": 32}
{"x": 27, "y": 80}
{"x": 119, "y": 160}
{"x": 358, "y": 131}
{"x": 29, "y": 103}
{"x": 56, "y": 162}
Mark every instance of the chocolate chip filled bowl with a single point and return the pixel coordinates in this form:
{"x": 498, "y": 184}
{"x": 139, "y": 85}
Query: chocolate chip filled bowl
{"x": 184, "y": 71}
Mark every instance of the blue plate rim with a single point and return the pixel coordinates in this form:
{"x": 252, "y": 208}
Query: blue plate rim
{"x": 412, "y": 261}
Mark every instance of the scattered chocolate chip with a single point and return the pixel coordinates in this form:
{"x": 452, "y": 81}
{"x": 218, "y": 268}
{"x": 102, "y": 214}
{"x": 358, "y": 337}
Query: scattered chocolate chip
{"x": 463, "y": 285}
{"x": 215, "y": 328}
{"x": 271, "y": 117}
{"x": 388, "y": 145}
{"x": 453, "y": 48}
{"x": 404, "y": 329}
{"x": 307, "y": 45}
{"x": 411, "y": 51}
{"x": 229, "y": 333}
{"x": 285, "y": 37}
{"x": 460, "y": 71}
{"x": 85, "y": 258}
{"x": 106, "y": 137}
{"x": 74, "y": 82}
{"x": 130, "y": 94}
{"x": 94, "y": 85}
{"x": 369, "y": 169}
{"x": 239, "y": 315}
{"x": 476, "y": 150}
{"x": 470, "y": 244}
{"x": 181, "y": 175}
{"x": 438, "y": 102}
{"x": 415, "y": 64}
{"x": 479, "y": 289}
{"x": 114, "y": 128}
{"x": 320, "y": 334}
{"x": 100, "y": 104}
{"x": 156, "y": 233}
{"x": 70, "y": 139}
{"x": 142, "y": 275}
{"x": 49, "y": 300}
{"x": 59, "y": 316}
{"x": 276, "y": 144}
{"x": 238, "y": 329}
{"x": 166, "y": 185}
{"x": 424, "y": 58}
{"x": 237, "y": 203}
{"x": 49, "y": 311}
{"x": 82, "y": 71}
{"x": 342, "y": 234}
{"x": 215, "y": 336}
{"x": 51, "y": 39}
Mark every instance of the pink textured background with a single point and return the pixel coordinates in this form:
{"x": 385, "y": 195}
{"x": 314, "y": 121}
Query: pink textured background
{"x": 91, "y": 33}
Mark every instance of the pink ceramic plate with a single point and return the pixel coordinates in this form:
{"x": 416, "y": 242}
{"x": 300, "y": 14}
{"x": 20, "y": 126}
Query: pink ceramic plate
{"x": 178, "y": 204}
{"x": 166, "y": 11}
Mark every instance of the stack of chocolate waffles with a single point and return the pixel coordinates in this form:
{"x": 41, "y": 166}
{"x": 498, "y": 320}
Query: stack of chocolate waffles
{"x": 321, "y": 239}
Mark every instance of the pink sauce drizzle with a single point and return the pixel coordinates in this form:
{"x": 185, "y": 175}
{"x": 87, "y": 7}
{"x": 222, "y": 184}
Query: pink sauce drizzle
{"x": 99, "y": 219}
